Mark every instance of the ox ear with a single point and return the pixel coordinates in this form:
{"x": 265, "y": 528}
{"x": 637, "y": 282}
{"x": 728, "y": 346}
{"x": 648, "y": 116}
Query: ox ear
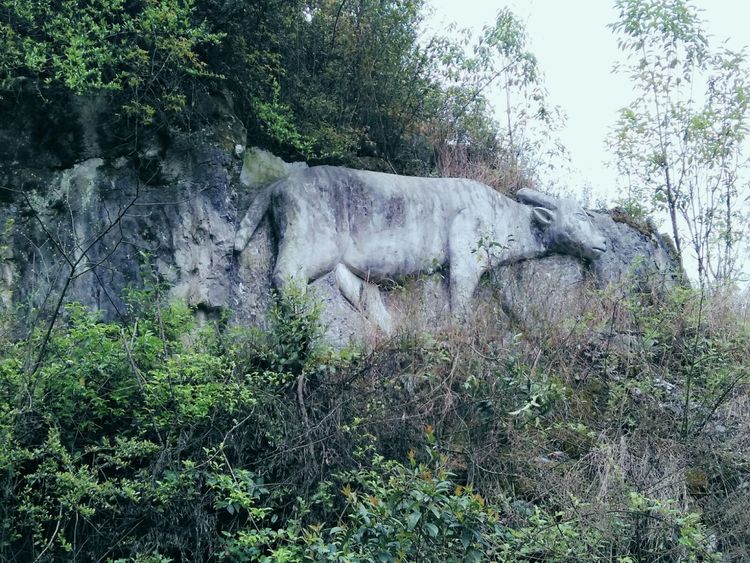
{"x": 542, "y": 215}
{"x": 533, "y": 197}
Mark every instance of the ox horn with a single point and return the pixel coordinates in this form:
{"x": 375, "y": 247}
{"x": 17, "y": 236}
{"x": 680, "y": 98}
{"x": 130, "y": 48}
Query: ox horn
{"x": 533, "y": 197}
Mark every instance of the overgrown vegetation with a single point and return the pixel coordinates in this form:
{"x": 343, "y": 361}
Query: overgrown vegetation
{"x": 681, "y": 143}
{"x": 620, "y": 437}
{"x": 355, "y": 83}
{"x": 144, "y": 51}
{"x": 152, "y": 439}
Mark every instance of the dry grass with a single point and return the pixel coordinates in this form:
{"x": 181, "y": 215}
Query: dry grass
{"x": 587, "y": 411}
{"x": 504, "y": 174}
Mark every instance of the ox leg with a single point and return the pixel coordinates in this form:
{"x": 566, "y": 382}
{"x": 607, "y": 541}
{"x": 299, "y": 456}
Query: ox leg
{"x": 464, "y": 278}
{"x": 301, "y": 264}
{"x": 289, "y": 272}
{"x": 365, "y": 297}
{"x": 466, "y": 267}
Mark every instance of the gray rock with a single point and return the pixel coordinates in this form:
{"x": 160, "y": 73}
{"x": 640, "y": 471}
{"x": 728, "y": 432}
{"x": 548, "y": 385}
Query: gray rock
{"x": 370, "y": 228}
{"x": 408, "y": 253}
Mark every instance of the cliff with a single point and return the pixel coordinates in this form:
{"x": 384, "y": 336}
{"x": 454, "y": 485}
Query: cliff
{"x": 86, "y": 221}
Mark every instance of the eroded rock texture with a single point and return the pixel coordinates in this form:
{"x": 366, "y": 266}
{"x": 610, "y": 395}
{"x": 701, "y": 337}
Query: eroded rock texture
{"x": 91, "y": 221}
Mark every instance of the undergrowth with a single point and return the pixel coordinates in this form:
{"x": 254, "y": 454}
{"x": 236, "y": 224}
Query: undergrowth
{"x": 622, "y": 439}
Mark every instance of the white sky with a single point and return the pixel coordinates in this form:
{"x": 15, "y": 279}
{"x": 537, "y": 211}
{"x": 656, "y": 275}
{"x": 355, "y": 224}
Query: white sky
{"x": 576, "y": 53}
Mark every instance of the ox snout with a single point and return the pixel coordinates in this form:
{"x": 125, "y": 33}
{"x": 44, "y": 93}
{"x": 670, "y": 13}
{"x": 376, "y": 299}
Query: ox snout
{"x": 599, "y": 247}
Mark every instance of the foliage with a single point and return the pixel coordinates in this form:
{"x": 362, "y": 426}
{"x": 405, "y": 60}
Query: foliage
{"x": 257, "y": 36}
{"x": 328, "y": 81}
{"x": 359, "y": 83}
{"x": 153, "y": 439}
{"x": 499, "y": 64}
{"x": 682, "y": 152}
{"x": 414, "y": 512}
{"x": 144, "y": 51}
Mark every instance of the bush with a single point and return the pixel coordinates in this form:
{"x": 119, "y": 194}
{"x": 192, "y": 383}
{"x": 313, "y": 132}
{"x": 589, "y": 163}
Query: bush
{"x": 156, "y": 440}
{"x": 145, "y": 51}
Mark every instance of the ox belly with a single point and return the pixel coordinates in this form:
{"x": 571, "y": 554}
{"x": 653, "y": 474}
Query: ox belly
{"x": 396, "y": 254}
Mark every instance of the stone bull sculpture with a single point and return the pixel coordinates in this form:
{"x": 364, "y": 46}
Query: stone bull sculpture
{"x": 370, "y": 227}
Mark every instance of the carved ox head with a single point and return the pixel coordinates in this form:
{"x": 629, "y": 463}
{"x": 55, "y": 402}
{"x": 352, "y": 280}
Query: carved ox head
{"x": 566, "y": 225}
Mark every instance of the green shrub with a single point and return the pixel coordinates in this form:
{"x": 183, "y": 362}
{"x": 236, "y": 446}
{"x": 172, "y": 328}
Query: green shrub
{"x": 155, "y": 439}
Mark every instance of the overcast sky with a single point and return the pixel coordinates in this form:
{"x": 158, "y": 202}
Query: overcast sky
{"x": 576, "y": 52}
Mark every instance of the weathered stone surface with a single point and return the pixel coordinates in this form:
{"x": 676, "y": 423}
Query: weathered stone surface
{"x": 106, "y": 222}
{"x": 638, "y": 256}
{"x": 100, "y": 225}
{"x": 370, "y": 228}
{"x": 538, "y": 293}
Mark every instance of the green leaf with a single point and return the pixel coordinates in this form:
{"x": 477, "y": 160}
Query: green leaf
{"x": 432, "y": 529}
{"x": 412, "y": 520}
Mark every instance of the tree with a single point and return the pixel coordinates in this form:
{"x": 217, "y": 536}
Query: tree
{"x": 682, "y": 151}
{"x": 498, "y": 65}
{"x": 330, "y": 81}
{"x": 505, "y": 47}
{"x": 357, "y": 78}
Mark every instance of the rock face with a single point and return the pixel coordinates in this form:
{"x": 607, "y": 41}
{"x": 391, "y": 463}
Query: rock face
{"x": 380, "y": 251}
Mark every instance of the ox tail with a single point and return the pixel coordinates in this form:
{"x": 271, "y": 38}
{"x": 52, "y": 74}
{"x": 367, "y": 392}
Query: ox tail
{"x": 252, "y": 219}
